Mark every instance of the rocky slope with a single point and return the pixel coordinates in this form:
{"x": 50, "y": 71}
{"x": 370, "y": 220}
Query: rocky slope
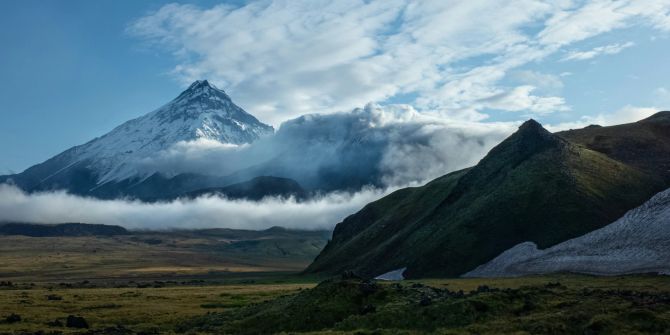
{"x": 636, "y": 243}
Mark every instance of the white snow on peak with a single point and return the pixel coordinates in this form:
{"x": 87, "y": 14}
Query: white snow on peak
{"x": 200, "y": 112}
{"x": 639, "y": 242}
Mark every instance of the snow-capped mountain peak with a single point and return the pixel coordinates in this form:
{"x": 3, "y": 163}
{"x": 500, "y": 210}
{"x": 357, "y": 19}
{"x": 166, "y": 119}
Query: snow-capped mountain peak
{"x": 202, "y": 111}
{"x": 201, "y": 91}
{"x": 202, "y": 101}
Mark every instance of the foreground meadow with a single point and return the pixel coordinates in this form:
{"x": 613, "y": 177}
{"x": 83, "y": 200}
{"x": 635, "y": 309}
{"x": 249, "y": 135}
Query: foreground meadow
{"x": 274, "y": 304}
{"x": 145, "y": 307}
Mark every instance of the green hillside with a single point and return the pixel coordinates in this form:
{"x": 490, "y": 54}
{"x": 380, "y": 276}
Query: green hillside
{"x": 534, "y": 186}
{"x": 644, "y": 144}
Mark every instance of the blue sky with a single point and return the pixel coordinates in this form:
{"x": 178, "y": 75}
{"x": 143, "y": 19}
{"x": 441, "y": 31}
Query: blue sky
{"x": 73, "y": 70}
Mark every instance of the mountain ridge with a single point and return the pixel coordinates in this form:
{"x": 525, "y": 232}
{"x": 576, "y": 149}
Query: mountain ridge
{"x": 644, "y": 144}
{"x": 534, "y": 184}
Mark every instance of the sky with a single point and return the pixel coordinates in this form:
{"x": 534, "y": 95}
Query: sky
{"x": 73, "y": 70}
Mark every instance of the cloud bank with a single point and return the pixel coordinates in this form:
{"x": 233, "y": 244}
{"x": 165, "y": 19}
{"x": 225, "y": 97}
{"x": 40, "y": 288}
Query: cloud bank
{"x": 281, "y": 59}
{"x": 380, "y": 146}
{"x": 204, "y": 212}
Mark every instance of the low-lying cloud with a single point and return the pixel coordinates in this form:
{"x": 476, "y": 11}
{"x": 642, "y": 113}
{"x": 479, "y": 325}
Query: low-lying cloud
{"x": 203, "y": 212}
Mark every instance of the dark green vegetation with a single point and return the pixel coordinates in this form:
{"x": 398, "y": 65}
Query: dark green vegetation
{"x": 534, "y": 186}
{"x": 559, "y": 305}
{"x": 210, "y": 253}
{"x": 644, "y": 144}
{"x": 136, "y": 308}
{"x": 63, "y": 229}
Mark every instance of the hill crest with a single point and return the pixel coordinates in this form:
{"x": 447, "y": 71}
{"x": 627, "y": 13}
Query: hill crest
{"x": 534, "y": 186}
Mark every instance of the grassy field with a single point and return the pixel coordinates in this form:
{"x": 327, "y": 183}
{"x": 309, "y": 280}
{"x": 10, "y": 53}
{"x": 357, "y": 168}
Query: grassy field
{"x": 268, "y": 304}
{"x": 243, "y": 282}
{"x": 539, "y": 305}
{"x": 149, "y": 309}
{"x": 173, "y": 255}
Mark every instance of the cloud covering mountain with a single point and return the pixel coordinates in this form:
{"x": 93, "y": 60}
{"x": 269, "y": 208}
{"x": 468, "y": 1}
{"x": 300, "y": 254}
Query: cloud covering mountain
{"x": 383, "y": 146}
{"x": 203, "y": 140}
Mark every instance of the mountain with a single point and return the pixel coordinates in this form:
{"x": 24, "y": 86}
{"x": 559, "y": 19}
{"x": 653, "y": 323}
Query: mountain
{"x": 110, "y": 165}
{"x": 636, "y": 243}
{"x": 371, "y": 146}
{"x": 534, "y": 186}
{"x": 644, "y": 144}
{"x": 62, "y": 229}
{"x": 256, "y": 189}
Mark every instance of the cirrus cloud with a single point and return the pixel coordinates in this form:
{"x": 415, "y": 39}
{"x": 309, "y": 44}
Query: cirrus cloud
{"x": 281, "y": 59}
{"x": 610, "y": 49}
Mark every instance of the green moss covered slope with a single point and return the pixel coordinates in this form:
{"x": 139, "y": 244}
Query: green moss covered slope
{"x": 534, "y": 186}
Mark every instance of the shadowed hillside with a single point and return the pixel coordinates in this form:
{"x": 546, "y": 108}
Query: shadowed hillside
{"x": 534, "y": 186}
{"x": 644, "y": 144}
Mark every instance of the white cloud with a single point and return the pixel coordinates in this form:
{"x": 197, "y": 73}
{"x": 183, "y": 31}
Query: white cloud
{"x": 203, "y": 212}
{"x": 522, "y": 99}
{"x": 383, "y": 145}
{"x": 579, "y": 21}
{"x": 281, "y": 59}
{"x": 545, "y": 81}
{"x": 626, "y": 114}
{"x": 610, "y": 49}
{"x": 280, "y": 56}
{"x": 197, "y": 156}
{"x": 584, "y": 21}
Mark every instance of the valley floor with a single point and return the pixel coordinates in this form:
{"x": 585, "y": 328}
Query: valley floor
{"x": 149, "y": 307}
{"x": 156, "y": 256}
{"x": 244, "y": 282}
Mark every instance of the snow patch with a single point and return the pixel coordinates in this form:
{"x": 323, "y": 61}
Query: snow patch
{"x": 393, "y": 275}
{"x": 639, "y": 242}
